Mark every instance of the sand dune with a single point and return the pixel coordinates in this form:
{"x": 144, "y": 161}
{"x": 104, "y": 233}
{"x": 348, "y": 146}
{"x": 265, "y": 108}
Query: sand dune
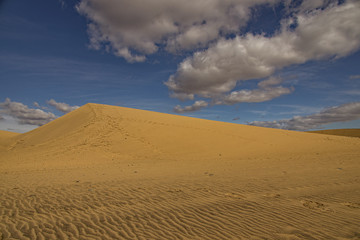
{"x": 340, "y": 132}
{"x": 6, "y": 138}
{"x": 105, "y": 172}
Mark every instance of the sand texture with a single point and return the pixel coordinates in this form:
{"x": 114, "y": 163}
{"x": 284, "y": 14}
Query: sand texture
{"x": 340, "y": 132}
{"x": 105, "y": 172}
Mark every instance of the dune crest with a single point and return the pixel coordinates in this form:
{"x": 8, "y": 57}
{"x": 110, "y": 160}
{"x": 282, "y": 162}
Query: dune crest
{"x": 106, "y": 172}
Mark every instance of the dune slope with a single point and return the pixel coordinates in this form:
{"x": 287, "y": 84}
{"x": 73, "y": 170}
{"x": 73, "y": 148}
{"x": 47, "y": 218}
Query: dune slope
{"x": 340, "y": 132}
{"x": 105, "y": 172}
{"x": 5, "y": 138}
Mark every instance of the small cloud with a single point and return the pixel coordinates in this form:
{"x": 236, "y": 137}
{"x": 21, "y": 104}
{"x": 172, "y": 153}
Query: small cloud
{"x": 36, "y": 104}
{"x": 342, "y": 113}
{"x": 24, "y": 114}
{"x": 256, "y": 95}
{"x": 195, "y": 107}
{"x": 182, "y": 96}
{"x": 62, "y": 107}
{"x": 354, "y": 77}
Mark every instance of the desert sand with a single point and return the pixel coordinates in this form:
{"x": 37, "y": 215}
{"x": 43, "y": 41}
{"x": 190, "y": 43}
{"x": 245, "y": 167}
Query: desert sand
{"x": 340, "y": 132}
{"x": 106, "y": 172}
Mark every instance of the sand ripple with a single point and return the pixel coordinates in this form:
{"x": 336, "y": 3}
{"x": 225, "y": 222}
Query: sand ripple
{"x": 206, "y": 210}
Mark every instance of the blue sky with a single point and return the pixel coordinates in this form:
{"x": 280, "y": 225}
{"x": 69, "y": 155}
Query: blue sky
{"x": 285, "y": 64}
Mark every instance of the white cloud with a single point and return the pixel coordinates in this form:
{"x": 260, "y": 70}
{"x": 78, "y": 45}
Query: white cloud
{"x": 256, "y": 95}
{"x": 25, "y": 115}
{"x": 266, "y": 92}
{"x": 195, "y": 107}
{"x": 342, "y": 113}
{"x": 320, "y": 34}
{"x": 134, "y": 28}
{"x": 62, "y": 107}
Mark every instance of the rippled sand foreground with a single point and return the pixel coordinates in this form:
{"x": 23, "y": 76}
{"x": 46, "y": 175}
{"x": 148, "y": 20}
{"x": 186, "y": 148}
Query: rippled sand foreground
{"x": 104, "y": 172}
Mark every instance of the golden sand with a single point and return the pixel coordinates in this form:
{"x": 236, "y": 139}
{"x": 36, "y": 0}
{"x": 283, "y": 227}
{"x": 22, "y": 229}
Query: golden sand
{"x": 105, "y": 172}
{"x": 340, "y": 132}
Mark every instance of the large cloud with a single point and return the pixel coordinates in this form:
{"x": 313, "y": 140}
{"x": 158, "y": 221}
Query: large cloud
{"x": 62, "y": 107}
{"x": 342, "y": 113}
{"x": 333, "y": 32}
{"x": 135, "y": 28}
{"x": 24, "y": 114}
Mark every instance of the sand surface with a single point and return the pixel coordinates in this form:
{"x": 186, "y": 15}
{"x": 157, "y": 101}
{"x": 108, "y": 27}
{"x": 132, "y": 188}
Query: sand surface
{"x": 104, "y": 172}
{"x": 340, "y": 132}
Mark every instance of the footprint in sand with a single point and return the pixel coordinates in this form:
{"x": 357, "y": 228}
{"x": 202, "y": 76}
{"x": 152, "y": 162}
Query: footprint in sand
{"x": 316, "y": 205}
{"x": 351, "y": 205}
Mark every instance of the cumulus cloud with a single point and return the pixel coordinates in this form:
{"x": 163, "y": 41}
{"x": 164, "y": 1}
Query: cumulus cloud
{"x": 24, "y": 114}
{"x": 62, "y": 107}
{"x": 195, "y": 107}
{"x": 319, "y": 34}
{"x": 133, "y": 29}
{"x": 342, "y": 113}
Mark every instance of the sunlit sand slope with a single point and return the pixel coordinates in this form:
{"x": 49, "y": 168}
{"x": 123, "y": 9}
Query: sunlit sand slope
{"x": 340, "y": 132}
{"x": 6, "y": 134}
{"x": 6, "y": 138}
{"x": 105, "y": 172}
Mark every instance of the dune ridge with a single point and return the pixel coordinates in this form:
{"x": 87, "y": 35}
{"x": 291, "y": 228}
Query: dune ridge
{"x": 107, "y": 172}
